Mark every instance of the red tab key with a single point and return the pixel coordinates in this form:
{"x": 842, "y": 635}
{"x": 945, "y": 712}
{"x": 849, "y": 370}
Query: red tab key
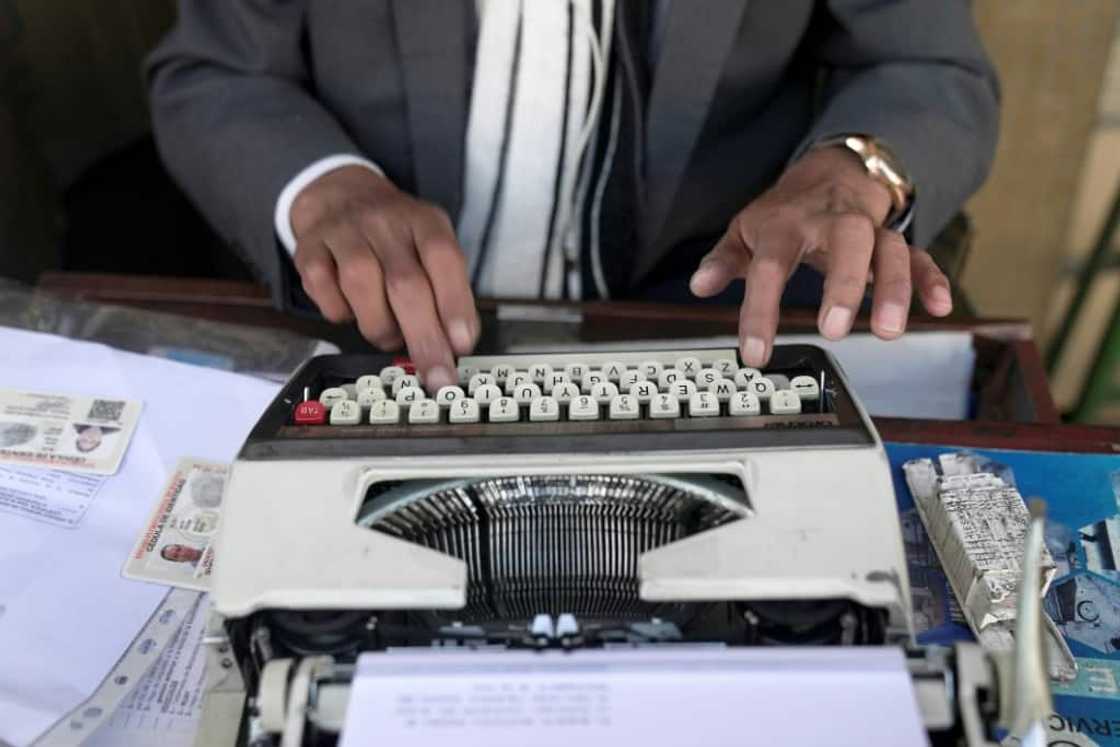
{"x": 408, "y": 366}
{"x": 311, "y": 412}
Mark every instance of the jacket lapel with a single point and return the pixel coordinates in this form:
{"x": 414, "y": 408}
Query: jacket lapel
{"x": 697, "y": 39}
{"x": 434, "y": 38}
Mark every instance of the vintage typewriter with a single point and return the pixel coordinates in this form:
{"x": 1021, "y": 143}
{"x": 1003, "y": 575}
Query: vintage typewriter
{"x": 556, "y": 501}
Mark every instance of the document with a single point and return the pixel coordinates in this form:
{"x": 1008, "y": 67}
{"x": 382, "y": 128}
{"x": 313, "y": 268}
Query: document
{"x": 66, "y": 614}
{"x": 175, "y": 545}
{"x": 64, "y": 430}
{"x": 651, "y": 696}
{"x": 49, "y": 495}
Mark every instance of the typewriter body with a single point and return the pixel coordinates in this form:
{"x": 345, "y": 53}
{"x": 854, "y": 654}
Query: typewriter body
{"x": 565, "y": 505}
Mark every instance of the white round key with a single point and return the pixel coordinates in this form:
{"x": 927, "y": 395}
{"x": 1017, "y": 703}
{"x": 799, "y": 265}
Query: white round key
{"x": 706, "y": 377}
{"x": 576, "y": 371}
{"x": 389, "y": 374}
{"x": 651, "y": 369}
{"x": 424, "y": 411}
{"x": 665, "y": 406}
{"x": 366, "y": 397}
{"x": 346, "y": 412}
{"x": 407, "y": 380}
{"x": 332, "y": 395}
{"x": 524, "y": 394}
{"x": 603, "y": 393}
{"x": 643, "y": 391}
{"x": 539, "y": 372}
{"x": 806, "y": 387}
{"x": 516, "y": 379}
{"x": 781, "y": 381}
{"x": 409, "y": 394}
{"x": 466, "y": 373}
{"x": 369, "y": 381}
{"x": 689, "y": 366}
{"x": 629, "y": 379}
{"x": 544, "y": 409}
{"x": 501, "y": 371}
{"x": 613, "y": 370}
{"x": 668, "y": 376}
{"x": 464, "y": 411}
{"x": 555, "y": 379}
{"x": 785, "y": 402}
{"x": 447, "y": 395}
{"x": 504, "y": 410}
{"x": 726, "y": 367}
{"x": 723, "y": 389}
{"x": 565, "y": 393}
{"x": 624, "y": 407}
{"x": 384, "y": 412}
{"x": 487, "y": 393}
{"x": 745, "y": 376}
{"x": 583, "y": 407}
{"x": 703, "y": 405}
{"x": 479, "y": 379}
{"x": 762, "y": 387}
{"x": 683, "y": 389}
{"x": 744, "y": 403}
{"x": 590, "y": 379}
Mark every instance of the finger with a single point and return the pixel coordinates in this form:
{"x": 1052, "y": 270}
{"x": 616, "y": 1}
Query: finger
{"x": 850, "y": 241}
{"x": 363, "y": 285}
{"x": 758, "y": 317}
{"x": 931, "y": 283}
{"x": 890, "y": 305}
{"x": 318, "y": 274}
{"x": 410, "y": 297}
{"x": 446, "y": 267}
{"x": 727, "y": 260}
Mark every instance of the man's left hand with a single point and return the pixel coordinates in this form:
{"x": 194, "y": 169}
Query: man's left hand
{"x": 826, "y": 211}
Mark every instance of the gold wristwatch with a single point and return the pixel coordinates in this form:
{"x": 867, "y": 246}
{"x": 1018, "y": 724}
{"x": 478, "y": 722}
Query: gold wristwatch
{"x": 884, "y": 167}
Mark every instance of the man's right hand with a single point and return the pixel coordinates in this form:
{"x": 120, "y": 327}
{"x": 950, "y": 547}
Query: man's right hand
{"x": 367, "y": 251}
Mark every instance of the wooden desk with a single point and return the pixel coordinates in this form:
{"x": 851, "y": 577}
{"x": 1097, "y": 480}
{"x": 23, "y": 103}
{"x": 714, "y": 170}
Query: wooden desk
{"x": 1009, "y": 377}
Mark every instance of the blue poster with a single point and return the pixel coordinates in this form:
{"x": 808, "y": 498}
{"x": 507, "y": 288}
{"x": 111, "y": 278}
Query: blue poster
{"x": 1082, "y": 494}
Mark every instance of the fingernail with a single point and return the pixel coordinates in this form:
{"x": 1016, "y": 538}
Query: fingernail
{"x": 837, "y": 322}
{"x": 461, "y": 336}
{"x": 439, "y": 376}
{"x": 892, "y": 318}
{"x": 754, "y": 351}
{"x": 941, "y": 297}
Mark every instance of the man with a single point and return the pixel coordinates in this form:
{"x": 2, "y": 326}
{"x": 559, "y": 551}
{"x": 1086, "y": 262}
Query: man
{"x": 582, "y": 149}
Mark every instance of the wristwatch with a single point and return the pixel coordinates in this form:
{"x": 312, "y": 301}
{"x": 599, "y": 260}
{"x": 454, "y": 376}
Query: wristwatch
{"x": 884, "y": 167}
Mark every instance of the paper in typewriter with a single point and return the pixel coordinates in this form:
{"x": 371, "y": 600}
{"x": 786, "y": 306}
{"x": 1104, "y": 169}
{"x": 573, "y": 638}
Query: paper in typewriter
{"x": 653, "y": 696}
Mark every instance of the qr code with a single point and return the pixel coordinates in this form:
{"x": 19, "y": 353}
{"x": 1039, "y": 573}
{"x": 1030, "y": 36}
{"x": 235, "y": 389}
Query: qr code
{"x": 106, "y": 409}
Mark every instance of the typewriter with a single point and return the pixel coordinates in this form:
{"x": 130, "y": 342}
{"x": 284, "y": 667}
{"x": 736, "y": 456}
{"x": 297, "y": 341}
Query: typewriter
{"x": 555, "y": 502}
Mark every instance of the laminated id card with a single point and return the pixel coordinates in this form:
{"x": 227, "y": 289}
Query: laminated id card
{"x": 63, "y": 431}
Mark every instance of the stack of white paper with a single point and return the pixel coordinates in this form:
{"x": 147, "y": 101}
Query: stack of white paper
{"x": 652, "y": 697}
{"x": 66, "y": 615}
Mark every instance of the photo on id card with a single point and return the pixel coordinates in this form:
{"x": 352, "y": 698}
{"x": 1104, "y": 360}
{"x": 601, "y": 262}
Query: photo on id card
{"x": 174, "y": 547}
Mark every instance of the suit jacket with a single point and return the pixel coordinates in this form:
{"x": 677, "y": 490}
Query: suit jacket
{"x": 246, "y": 93}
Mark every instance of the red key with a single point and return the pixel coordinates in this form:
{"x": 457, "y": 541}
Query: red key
{"x": 408, "y": 366}
{"x": 311, "y": 412}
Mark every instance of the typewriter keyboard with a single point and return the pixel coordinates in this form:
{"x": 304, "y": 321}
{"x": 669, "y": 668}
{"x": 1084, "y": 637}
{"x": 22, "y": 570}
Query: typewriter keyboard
{"x": 572, "y": 387}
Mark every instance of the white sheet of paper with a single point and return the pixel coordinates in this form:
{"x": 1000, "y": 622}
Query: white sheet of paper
{"x": 919, "y": 375}
{"x": 652, "y": 696}
{"x": 50, "y": 495}
{"x": 66, "y": 614}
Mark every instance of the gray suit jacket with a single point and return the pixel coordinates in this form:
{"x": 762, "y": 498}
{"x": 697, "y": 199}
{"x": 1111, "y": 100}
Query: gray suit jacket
{"x": 246, "y": 93}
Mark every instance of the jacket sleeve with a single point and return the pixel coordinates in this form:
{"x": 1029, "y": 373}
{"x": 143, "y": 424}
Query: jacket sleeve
{"x": 914, "y": 74}
{"x": 234, "y": 118}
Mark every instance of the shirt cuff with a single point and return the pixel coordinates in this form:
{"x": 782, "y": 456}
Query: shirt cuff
{"x": 282, "y": 219}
